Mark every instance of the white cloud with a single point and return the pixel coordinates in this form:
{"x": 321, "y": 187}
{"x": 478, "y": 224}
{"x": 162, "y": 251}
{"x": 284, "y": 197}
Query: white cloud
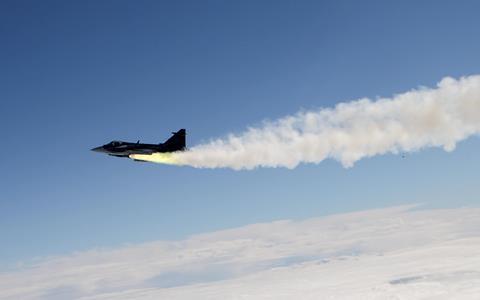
{"x": 390, "y": 253}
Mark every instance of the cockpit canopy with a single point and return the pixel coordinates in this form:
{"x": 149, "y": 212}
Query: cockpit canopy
{"x": 115, "y": 143}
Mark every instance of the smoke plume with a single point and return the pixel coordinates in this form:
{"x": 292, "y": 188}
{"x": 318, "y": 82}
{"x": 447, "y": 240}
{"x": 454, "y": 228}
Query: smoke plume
{"x": 423, "y": 117}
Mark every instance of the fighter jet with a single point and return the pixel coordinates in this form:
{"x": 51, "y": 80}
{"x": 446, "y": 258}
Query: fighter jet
{"x": 125, "y": 149}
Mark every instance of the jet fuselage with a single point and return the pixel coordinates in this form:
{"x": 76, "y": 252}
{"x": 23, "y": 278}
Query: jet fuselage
{"x": 125, "y": 149}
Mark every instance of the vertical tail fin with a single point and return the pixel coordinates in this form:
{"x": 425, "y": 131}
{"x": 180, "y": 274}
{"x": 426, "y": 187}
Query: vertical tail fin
{"x": 177, "y": 142}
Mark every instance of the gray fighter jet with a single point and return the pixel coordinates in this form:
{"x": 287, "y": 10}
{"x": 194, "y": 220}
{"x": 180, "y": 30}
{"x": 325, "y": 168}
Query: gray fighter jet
{"x": 125, "y": 149}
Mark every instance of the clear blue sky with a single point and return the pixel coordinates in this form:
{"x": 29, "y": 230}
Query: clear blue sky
{"x": 77, "y": 74}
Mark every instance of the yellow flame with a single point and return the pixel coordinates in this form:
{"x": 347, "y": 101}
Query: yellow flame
{"x": 160, "y": 158}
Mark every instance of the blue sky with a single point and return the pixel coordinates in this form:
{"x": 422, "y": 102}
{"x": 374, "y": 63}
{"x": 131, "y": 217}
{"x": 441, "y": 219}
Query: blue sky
{"x": 74, "y": 75}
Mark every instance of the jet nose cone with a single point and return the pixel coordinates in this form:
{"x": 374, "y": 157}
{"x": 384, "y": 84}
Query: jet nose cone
{"x": 98, "y": 149}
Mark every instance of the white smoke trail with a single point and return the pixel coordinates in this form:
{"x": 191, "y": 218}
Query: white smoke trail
{"x": 438, "y": 117}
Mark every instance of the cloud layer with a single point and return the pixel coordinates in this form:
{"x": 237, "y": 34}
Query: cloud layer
{"x": 391, "y": 253}
{"x": 424, "y": 117}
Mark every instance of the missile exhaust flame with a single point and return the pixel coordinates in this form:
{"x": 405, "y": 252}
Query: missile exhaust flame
{"x": 160, "y": 158}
